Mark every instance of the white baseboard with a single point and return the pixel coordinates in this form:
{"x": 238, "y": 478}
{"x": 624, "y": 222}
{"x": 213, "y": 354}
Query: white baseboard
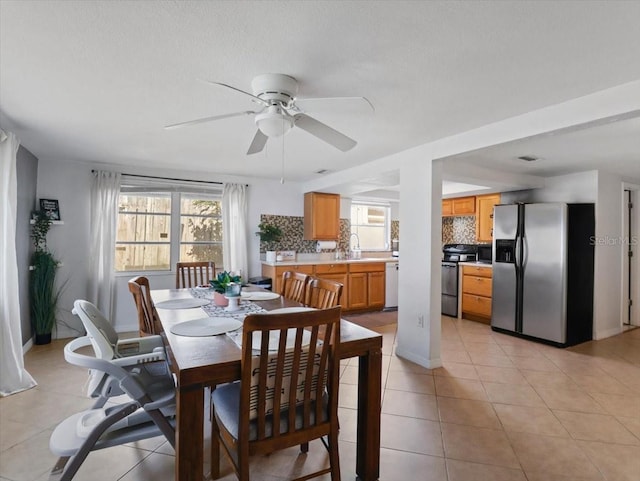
{"x": 614, "y": 331}
{"x": 422, "y": 361}
{"x": 27, "y": 346}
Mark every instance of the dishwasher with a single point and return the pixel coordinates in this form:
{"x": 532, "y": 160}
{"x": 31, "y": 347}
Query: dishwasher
{"x": 391, "y": 286}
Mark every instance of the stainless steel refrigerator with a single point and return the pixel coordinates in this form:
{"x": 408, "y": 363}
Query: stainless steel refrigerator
{"x": 543, "y": 271}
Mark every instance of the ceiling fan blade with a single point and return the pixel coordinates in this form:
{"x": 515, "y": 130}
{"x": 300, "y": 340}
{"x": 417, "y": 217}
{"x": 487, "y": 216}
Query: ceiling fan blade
{"x": 364, "y": 100}
{"x": 324, "y": 132}
{"x": 209, "y": 119}
{"x": 258, "y": 143}
{"x": 255, "y": 99}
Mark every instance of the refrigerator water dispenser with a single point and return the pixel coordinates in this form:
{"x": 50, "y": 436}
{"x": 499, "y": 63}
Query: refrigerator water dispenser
{"x": 505, "y": 250}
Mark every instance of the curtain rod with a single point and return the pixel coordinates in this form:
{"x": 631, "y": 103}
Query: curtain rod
{"x": 168, "y": 178}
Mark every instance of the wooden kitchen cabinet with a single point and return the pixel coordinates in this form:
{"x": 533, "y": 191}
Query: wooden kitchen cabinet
{"x": 476, "y": 293}
{"x": 357, "y": 291}
{"x": 484, "y": 216}
{"x": 366, "y": 285}
{"x": 338, "y": 273}
{"x": 275, "y": 273}
{"x": 464, "y": 206}
{"x": 321, "y": 216}
{"x": 459, "y": 206}
{"x": 447, "y": 207}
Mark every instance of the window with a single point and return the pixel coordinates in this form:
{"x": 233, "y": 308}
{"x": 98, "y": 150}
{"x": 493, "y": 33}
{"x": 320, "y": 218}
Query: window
{"x": 143, "y": 238}
{"x": 200, "y": 229}
{"x": 371, "y": 223}
{"x": 157, "y": 229}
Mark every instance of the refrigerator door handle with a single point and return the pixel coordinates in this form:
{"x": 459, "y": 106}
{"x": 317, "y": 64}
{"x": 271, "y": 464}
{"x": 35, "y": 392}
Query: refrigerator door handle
{"x": 516, "y": 259}
{"x": 525, "y": 252}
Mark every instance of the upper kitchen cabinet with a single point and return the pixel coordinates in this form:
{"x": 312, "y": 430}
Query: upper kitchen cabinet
{"x": 484, "y": 216}
{"x": 447, "y": 207}
{"x": 459, "y": 206}
{"x": 321, "y": 216}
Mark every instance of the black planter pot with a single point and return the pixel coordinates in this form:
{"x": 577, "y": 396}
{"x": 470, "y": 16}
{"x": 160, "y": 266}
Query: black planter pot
{"x": 43, "y": 339}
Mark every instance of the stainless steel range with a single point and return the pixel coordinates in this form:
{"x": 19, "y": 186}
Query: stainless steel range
{"x": 452, "y": 254}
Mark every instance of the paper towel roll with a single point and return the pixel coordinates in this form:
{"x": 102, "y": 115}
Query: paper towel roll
{"x": 326, "y": 245}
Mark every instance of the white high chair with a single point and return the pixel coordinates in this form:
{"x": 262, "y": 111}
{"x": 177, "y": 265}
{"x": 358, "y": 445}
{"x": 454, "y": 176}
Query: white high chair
{"x": 134, "y": 367}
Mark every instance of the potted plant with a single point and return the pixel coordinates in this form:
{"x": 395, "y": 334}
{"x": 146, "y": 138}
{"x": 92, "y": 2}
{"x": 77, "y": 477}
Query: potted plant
{"x": 225, "y": 283}
{"x": 269, "y": 234}
{"x": 42, "y": 290}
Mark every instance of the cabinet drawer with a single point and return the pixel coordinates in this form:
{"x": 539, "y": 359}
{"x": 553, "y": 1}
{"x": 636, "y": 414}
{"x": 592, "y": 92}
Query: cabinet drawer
{"x": 367, "y": 267}
{"x": 476, "y": 305}
{"x": 480, "y": 286}
{"x": 477, "y": 271}
{"x": 304, "y": 268}
{"x": 331, "y": 268}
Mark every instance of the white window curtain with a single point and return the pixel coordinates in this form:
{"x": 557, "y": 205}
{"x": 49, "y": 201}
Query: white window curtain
{"x": 234, "y": 228}
{"x": 13, "y": 376}
{"x": 104, "y": 214}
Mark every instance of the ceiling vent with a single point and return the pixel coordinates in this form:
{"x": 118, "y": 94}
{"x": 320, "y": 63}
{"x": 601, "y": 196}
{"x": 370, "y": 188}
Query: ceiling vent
{"x": 528, "y": 158}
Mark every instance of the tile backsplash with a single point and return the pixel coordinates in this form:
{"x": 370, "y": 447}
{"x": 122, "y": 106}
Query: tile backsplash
{"x": 459, "y": 230}
{"x": 395, "y": 229}
{"x": 293, "y": 235}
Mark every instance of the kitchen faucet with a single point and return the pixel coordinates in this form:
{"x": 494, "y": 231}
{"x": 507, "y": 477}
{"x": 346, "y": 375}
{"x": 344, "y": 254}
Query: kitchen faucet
{"x": 356, "y": 252}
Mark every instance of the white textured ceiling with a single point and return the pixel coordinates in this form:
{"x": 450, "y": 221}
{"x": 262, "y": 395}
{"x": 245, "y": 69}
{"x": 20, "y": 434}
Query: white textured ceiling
{"x": 97, "y": 80}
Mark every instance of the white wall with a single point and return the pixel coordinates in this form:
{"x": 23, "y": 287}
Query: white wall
{"x": 70, "y": 183}
{"x": 608, "y": 257}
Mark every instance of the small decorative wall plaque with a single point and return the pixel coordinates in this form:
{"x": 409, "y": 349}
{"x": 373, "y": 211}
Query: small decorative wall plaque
{"x": 51, "y": 207}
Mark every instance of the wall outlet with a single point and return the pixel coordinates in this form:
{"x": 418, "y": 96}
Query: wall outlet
{"x": 420, "y": 320}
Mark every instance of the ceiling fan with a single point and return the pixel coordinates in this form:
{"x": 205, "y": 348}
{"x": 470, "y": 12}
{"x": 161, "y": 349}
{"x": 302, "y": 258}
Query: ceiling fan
{"x": 276, "y": 94}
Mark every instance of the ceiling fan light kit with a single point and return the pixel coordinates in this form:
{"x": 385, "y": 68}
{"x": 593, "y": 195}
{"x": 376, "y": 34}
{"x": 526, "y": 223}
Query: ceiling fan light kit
{"x": 275, "y": 122}
{"x": 276, "y": 93}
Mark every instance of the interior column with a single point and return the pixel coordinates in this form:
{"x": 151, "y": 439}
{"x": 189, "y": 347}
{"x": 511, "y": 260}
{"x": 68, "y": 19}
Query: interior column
{"x": 419, "y": 328}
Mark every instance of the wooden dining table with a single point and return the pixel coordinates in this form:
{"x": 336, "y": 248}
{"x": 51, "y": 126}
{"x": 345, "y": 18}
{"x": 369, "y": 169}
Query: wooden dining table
{"x": 200, "y": 362}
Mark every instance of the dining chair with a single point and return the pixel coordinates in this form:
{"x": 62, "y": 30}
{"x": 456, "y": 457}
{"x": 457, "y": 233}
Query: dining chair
{"x": 323, "y": 293}
{"x": 288, "y": 390}
{"x": 193, "y": 274}
{"x": 148, "y": 320}
{"x": 294, "y": 286}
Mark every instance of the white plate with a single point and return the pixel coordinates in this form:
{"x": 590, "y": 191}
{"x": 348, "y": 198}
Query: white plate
{"x": 245, "y": 295}
{"x": 263, "y": 296}
{"x": 284, "y": 310}
{"x": 206, "y": 326}
{"x": 184, "y": 303}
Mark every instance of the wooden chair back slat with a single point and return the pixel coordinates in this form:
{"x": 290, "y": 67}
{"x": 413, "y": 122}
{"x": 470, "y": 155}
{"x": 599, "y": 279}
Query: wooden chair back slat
{"x": 294, "y": 286}
{"x": 193, "y": 274}
{"x": 323, "y": 293}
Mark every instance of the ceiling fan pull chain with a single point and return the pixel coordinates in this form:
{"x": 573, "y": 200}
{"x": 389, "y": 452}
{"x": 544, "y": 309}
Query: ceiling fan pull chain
{"x": 282, "y": 176}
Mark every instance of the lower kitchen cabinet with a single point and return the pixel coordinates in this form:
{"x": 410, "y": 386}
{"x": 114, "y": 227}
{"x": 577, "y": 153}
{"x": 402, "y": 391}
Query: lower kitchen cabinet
{"x": 366, "y": 286}
{"x": 363, "y": 282}
{"x": 338, "y": 273}
{"x": 476, "y": 293}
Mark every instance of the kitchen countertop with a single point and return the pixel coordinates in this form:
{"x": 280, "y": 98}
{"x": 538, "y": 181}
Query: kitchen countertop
{"x": 476, "y": 264}
{"x": 330, "y": 261}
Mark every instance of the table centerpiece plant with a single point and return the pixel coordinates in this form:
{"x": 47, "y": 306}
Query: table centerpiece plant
{"x": 42, "y": 290}
{"x": 225, "y": 283}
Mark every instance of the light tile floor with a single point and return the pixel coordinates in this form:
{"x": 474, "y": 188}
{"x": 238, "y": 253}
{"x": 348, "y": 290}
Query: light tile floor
{"x": 500, "y": 409}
